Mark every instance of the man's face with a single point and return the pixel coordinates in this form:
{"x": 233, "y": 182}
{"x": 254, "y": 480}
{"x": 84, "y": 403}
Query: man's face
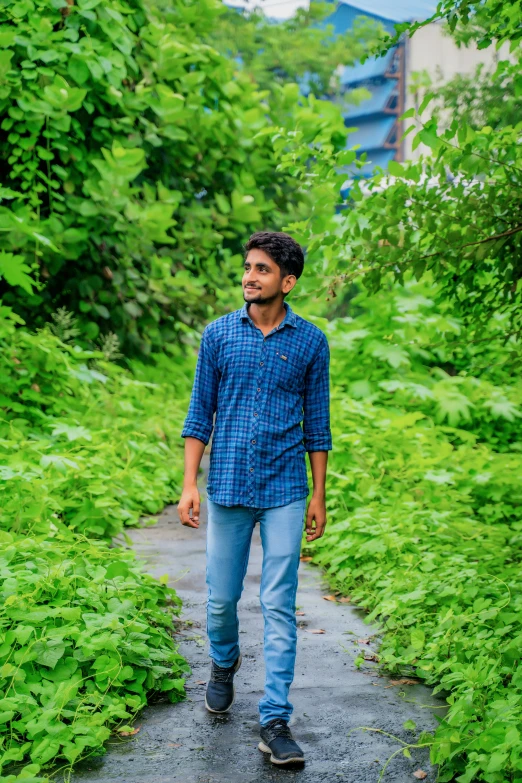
{"x": 262, "y": 281}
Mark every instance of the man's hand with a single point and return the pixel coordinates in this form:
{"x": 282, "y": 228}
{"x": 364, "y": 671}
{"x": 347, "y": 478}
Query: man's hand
{"x": 315, "y": 518}
{"x": 189, "y": 500}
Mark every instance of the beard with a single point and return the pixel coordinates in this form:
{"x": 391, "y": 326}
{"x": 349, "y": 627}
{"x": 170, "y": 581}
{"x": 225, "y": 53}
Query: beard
{"x": 256, "y": 297}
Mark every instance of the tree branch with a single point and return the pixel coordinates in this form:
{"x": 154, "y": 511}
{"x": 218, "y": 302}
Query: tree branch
{"x": 396, "y": 262}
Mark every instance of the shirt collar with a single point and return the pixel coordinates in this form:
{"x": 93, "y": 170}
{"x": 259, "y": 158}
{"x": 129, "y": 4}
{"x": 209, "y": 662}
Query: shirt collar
{"x": 289, "y": 319}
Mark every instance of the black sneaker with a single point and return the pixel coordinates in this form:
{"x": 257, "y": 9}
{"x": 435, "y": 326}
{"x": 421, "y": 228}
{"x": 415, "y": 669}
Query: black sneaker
{"x": 221, "y": 692}
{"x": 276, "y": 739}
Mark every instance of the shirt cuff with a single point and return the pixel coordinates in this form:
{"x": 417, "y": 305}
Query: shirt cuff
{"x": 194, "y": 429}
{"x": 322, "y": 441}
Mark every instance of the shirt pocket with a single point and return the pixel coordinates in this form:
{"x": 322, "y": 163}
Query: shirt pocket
{"x": 286, "y": 406}
{"x": 288, "y": 370}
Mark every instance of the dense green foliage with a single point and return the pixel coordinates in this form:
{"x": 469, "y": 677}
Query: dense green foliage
{"x": 424, "y": 492}
{"x": 483, "y": 98}
{"x": 424, "y": 504}
{"x": 299, "y": 49}
{"x": 134, "y": 164}
{"x": 415, "y": 223}
{"x": 137, "y": 157}
{"x": 87, "y": 446}
{"x": 489, "y": 21}
{"x": 86, "y": 641}
{"x": 85, "y": 634}
{"x": 455, "y": 213}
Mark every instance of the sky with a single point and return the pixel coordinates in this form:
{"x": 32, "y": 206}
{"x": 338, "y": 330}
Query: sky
{"x": 278, "y": 9}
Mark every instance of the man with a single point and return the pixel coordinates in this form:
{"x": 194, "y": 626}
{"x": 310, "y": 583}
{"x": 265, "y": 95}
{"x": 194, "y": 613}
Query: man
{"x": 262, "y": 369}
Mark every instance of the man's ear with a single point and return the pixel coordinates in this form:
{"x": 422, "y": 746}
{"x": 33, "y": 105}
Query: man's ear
{"x": 289, "y": 279}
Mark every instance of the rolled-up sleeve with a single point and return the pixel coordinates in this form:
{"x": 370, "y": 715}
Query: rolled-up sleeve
{"x": 316, "y": 403}
{"x": 199, "y": 421}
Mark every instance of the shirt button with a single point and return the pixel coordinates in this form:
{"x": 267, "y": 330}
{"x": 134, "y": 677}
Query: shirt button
{"x": 251, "y": 469}
{"x": 261, "y": 364}
{"x": 255, "y": 414}
{"x": 259, "y": 389}
{"x": 253, "y": 441}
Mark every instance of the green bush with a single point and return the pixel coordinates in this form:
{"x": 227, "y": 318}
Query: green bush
{"x": 136, "y": 161}
{"x": 85, "y": 642}
{"x": 425, "y": 528}
{"x": 86, "y": 636}
{"x": 400, "y": 349}
{"x": 87, "y": 446}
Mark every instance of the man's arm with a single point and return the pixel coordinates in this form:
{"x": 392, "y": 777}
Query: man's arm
{"x": 316, "y": 515}
{"x": 189, "y": 500}
{"x": 197, "y": 430}
{"x": 317, "y": 437}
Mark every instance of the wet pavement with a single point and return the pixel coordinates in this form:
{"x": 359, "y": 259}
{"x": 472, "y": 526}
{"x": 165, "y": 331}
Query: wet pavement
{"x": 331, "y": 697}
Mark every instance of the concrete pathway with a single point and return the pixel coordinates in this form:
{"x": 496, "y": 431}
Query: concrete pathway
{"x": 185, "y": 743}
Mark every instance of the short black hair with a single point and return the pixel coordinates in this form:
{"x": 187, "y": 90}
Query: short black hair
{"x": 282, "y": 248}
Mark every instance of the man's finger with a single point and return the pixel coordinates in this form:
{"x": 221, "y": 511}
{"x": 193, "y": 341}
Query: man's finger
{"x": 319, "y": 530}
{"x": 195, "y": 511}
{"x": 310, "y": 529}
{"x": 191, "y": 521}
{"x": 182, "y": 513}
{"x": 184, "y": 518}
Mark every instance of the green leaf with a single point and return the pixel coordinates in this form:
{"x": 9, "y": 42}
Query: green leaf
{"x": 118, "y": 568}
{"x": 72, "y": 433}
{"x": 408, "y": 114}
{"x": 426, "y": 101}
{"x": 6, "y": 55}
{"x": 78, "y": 69}
{"x": 497, "y": 761}
{"x": 132, "y": 309}
{"x": 395, "y": 168}
{"x": 429, "y": 138}
{"x": 60, "y": 463}
{"x": 15, "y": 271}
{"x": 8, "y": 193}
{"x": 49, "y": 652}
{"x": 222, "y": 203}
{"x": 23, "y": 632}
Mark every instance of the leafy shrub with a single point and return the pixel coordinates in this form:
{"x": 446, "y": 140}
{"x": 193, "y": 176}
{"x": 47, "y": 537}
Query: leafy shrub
{"x": 137, "y": 159}
{"x": 87, "y": 446}
{"x": 402, "y": 350}
{"x": 85, "y": 637}
{"x": 425, "y": 529}
{"x": 85, "y": 642}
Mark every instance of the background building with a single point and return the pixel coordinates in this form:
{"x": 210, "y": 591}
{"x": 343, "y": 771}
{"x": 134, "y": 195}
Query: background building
{"x": 390, "y": 78}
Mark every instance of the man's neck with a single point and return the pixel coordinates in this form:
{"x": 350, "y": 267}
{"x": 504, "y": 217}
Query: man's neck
{"x": 266, "y": 317}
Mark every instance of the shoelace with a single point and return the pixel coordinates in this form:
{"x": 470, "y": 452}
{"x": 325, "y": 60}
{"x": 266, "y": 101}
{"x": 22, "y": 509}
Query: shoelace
{"x": 278, "y": 728}
{"x": 219, "y": 674}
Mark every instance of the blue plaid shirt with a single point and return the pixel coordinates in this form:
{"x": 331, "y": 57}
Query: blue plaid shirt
{"x": 261, "y": 389}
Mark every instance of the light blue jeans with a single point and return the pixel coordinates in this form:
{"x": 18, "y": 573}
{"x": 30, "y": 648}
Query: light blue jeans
{"x": 229, "y": 533}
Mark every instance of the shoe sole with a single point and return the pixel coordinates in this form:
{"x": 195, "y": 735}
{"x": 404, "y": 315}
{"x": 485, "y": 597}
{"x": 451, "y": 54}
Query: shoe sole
{"x": 221, "y": 712}
{"x": 281, "y": 762}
